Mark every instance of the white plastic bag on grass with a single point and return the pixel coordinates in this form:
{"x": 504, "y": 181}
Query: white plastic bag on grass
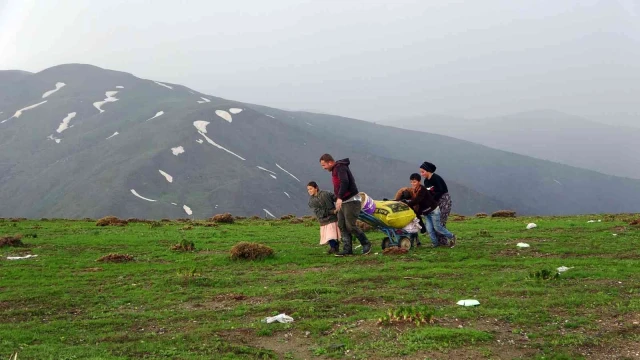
{"x": 522, "y": 245}
{"x": 283, "y": 318}
{"x": 469, "y": 302}
{"x": 531, "y": 226}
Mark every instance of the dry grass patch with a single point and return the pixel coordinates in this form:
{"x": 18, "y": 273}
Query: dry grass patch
{"x": 184, "y": 245}
{"x": 504, "y": 214}
{"x": 635, "y": 222}
{"x": 225, "y": 218}
{"x": 481, "y": 215}
{"x": 11, "y": 241}
{"x": 250, "y": 251}
{"x": 116, "y": 258}
{"x": 287, "y": 217}
{"x": 296, "y": 221}
{"x": 111, "y": 221}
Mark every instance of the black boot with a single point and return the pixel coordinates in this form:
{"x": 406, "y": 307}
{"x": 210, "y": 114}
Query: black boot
{"x": 366, "y": 244}
{"x": 346, "y": 246}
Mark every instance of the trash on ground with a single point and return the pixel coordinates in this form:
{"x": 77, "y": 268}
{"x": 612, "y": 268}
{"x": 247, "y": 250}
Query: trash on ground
{"x": 469, "y": 302}
{"x": 522, "y": 245}
{"x": 283, "y": 318}
{"x": 531, "y": 226}
{"x": 20, "y": 257}
{"x": 562, "y": 269}
{"x": 614, "y": 234}
{"x": 591, "y": 221}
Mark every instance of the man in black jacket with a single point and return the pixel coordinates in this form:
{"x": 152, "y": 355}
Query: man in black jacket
{"x": 348, "y": 203}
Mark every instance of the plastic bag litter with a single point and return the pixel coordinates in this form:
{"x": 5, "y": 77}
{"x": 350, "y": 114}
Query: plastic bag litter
{"x": 562, "y": 269}
{"x": 20, "y": 257}
{"x": 522, "y": 245}
{"x": 591, "y": 221}
{"x": 283, "y": 318}
{"x": 413, "y": 227}
{"x": 469, "y": 302}
{"x": 531, "y": 226}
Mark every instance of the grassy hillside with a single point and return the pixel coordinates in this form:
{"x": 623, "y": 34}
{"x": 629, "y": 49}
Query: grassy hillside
{"x": 200, "y": 304}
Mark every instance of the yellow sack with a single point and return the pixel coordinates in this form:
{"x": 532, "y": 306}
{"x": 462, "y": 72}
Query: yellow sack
{"x": 394, "y": 213}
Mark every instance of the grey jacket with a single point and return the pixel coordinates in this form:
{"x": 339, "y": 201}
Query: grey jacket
{"x": 322, "y": 204}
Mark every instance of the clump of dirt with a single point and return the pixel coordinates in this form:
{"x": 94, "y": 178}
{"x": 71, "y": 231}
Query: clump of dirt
{"x": 116, "y": 258}
{"x": 184, "y": 220}
{"x": 635, "y": 222}
{"x": 184, "y": 245}
{"x": 250, "y": 251}
{"x": 240, "y": 217}
{"x": 11, "y": 241}
{"x": 504, "y": 214}
{"x": 364, "y": 226}
{"x": 296, "y": 221}
{"x": 459, "y": 218}
{"x": 210, "y": 225}
{"x": 187, "y": 227}
{"x": 481, "y": 215}
{"x": 394, "y": 250}
{"x": 287, "y": 217}
{"x": 111, "y": 221}
{"x": 308, "y": 217}
{"x": 225, "y": 218}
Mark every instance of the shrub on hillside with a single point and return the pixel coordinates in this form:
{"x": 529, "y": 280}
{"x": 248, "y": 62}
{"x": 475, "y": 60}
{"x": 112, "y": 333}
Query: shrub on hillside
{"x": 111, "y": 221}
{"x": 459, "y": 218}
{"x": 225, "y": 218}
{"x": 635, "y": 222}
{"x": 184, "y": 245}
{"x": 504, "y": 214}
{"x": 116, "y": 258}
{"x": 240, "y": 217}
{"x": 250, "y": 251}
{"x": 210, "y": 225}
{"x": 13, "y": 241}
{"x": 287, "y": 217}
{"x": 255, "y": 217}
{"x": 481, "y": 215}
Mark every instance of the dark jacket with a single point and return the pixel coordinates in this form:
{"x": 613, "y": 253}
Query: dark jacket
{"x": 322, "y": 204}
{"x": 421, "y": 201}
{"x": 344, "y": 185}
{"x": 439, "y": 186}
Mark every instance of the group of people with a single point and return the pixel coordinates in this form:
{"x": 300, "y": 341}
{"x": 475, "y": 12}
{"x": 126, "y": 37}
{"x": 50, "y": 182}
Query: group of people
{"x": 338, "y": 212}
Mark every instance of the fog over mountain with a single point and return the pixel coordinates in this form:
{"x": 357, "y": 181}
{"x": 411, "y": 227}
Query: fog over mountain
{"x": 367, "y": 60}
{"x": 544, "y": 134}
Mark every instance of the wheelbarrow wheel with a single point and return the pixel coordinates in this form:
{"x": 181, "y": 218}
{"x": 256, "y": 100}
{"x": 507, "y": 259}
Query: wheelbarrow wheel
{"x": 405, "y": 243}
{"x": 385, "y": 243}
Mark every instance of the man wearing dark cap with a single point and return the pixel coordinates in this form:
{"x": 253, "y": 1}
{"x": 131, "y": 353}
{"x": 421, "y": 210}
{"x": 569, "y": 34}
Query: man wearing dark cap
{"x": 438, "y": 187}
{"x": 348, "y": 203}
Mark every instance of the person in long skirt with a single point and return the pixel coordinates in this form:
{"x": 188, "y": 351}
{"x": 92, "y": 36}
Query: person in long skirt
{"x": 323, "y": 205}
{"x": 438, "y": 187}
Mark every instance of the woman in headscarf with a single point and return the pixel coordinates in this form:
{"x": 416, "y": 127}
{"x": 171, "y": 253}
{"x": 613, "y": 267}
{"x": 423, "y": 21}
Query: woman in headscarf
{"x": 323, "y": 205}
{"x": 438, "y": 187}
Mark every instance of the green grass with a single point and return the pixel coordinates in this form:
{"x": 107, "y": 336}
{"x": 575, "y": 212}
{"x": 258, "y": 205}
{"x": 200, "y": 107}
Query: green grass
{"x": 202, "y": 305}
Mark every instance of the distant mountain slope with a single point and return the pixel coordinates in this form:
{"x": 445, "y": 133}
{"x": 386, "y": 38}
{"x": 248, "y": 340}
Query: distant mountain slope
{"x": 80, "y": 141}
{"x": 530, "y": 185}
{"x": 548, "y": 135}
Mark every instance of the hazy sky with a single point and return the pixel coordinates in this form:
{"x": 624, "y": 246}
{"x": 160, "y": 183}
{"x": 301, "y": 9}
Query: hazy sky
{"x": 365, "y": 59}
